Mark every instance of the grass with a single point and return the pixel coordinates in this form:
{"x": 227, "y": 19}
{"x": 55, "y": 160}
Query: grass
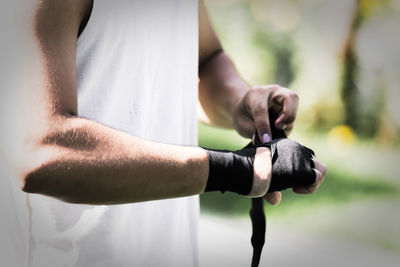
{"x": 220, "y": 138}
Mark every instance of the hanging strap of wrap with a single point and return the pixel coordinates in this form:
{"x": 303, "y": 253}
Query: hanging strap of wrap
{"x": 258, "y": 222}
{"x": 257, "y": 215}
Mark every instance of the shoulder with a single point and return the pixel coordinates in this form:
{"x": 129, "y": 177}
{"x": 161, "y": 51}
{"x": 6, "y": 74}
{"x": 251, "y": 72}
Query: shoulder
{"x": 209, "y": 43}
{"x": 59, "y": 17}
{"x": 55, "y": 26}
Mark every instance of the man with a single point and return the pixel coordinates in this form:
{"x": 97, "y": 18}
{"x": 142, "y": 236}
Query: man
{"x": 104, "y": 120}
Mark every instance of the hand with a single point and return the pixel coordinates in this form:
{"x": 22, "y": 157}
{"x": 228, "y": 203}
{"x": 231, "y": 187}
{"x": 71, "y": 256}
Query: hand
{"x": 262, "y": 177}
{"x": 320, "y": 171}
{"x": 252, "y": 111}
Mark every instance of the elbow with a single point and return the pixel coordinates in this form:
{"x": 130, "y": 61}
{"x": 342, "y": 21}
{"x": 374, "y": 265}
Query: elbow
{"x": 37, "y": 161}
{"x": 38, "y": 170}
{"x": 29, "y": 169}
{"x": 32, "y": 181}
{"x": 47, "y": 180}
{"x": 45, "y": 161}
{"x": 35, "y": 179}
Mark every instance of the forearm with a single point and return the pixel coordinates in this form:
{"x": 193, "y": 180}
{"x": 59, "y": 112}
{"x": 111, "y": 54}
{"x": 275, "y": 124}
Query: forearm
{"x": 86, "y": 162}
{"x": 220, "y": 88}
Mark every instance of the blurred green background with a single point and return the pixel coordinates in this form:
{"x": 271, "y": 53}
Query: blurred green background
{"x": 342, "y": 58}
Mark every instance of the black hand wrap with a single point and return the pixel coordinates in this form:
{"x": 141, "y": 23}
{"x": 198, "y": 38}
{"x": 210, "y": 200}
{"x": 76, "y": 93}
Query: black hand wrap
{"x": 231, "y": 171}
{"x": 292, "y": 165}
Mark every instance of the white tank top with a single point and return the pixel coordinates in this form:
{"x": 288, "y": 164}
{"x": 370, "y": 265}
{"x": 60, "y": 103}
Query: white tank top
{"x": 136, "y": 72}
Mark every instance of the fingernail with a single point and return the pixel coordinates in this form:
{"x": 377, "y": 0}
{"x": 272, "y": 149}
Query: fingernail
{"x": 284, "y": 126}
{"x": 266, "y": 138}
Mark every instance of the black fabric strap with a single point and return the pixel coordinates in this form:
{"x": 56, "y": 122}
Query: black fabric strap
{"x": 258, "y": 223}
{"x": 231, "y": 170}
{"x": 257, "y": 215}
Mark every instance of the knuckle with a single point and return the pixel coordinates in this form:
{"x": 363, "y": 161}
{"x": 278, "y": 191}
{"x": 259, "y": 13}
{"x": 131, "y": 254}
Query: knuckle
{"x": 260, "y": 110}
{"x": 262, "y": 125}
{"x": 324, "y": 170}
{"x": 318, "y": 175}
{"x": 262, "y": 90}
{"x": 275, "y": 86}
{"x": 260, "y": 117}
{"x": 293, "y": 95}
{"x": 256, "y": 90}
{"x": 253, "y": 97}
{"x": 246, "y": 99}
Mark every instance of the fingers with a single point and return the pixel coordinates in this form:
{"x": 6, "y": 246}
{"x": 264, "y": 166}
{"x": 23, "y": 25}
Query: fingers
{"x": 318, "y": 181}
{"x": 262, "y": 167}
{"x": 320, "y": 172}
{"x": 273, "y": 198}
{"x": 312, "y": 188}
{"x": 244, "y": 125}
{"x": 252, "y": 115}
{"x": 321, "y": 167}
{"x": 259, "y": 113}
{"x": 277, "y": 99}
{"x": 252, "y": 112}
{"x": 288, "y": 102}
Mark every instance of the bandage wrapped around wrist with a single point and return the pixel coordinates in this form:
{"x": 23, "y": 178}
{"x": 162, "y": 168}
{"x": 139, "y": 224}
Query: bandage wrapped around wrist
{"x": 233, "y": 170}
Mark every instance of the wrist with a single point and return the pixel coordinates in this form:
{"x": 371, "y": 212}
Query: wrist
{"x": 237, "y": 98}
{"x": 231, "y": 171}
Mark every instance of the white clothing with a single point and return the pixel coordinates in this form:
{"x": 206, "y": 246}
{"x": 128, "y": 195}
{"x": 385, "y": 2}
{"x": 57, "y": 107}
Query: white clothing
{"x": 137, "y": 65}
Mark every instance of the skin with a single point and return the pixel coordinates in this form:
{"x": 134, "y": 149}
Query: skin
{"x": 59, "y": 154}
{"x": 228, "y": 101}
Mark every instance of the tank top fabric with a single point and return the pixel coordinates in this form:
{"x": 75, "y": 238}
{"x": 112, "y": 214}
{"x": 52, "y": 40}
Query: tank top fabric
{"x": 137, "y": 65}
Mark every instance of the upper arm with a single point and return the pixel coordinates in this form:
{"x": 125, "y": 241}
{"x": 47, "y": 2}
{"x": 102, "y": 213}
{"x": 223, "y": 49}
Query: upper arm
{"x": 41, "y": 84}
{"x": 209, "y": 43}
{"x": 55, "y": 29}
